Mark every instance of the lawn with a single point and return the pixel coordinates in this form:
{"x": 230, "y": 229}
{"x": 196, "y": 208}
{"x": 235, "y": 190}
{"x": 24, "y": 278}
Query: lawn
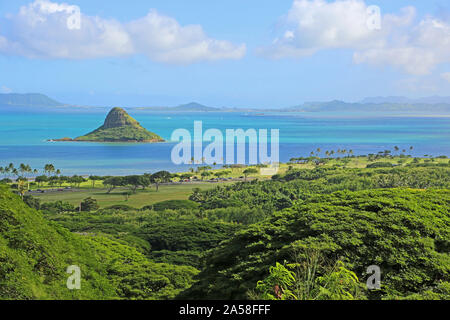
{"x": 182, "y": 191}
{"x": 140, "y": 199}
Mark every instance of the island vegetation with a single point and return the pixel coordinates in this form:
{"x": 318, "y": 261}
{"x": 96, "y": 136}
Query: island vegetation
{"x": 229, "y": 234}
{"x": 119, "y": 126}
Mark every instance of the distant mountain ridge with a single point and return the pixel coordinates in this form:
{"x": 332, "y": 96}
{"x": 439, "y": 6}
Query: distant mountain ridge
{"x": 28, "y": 100}
{"x": 405, "y": 100}
{"x": 341, "y": 106}
{"x": 192, "y": 107}
{"x": 433, "y": 105}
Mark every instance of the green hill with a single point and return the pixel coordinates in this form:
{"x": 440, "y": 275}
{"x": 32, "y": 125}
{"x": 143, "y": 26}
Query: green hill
{"x": 405, "y": 232}
{"x": 341, "y": 106}
{"x": 119, "y": 127}
{"x": 35, "y": 254}
{"x": 28, "y": 100}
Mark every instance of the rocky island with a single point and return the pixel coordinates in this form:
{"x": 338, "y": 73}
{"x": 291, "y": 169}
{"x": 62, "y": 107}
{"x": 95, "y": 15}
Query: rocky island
{"x": 119, "y": 126}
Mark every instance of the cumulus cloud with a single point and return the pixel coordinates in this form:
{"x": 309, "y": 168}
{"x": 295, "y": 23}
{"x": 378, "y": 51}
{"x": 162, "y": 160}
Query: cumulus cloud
{"x": 162, "y": 39}
{"x": 314, "y": 25}
{"x": 417, "y": 48}
{"x": 40, "y": 30}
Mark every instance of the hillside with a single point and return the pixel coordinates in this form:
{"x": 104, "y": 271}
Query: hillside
{"x": 405, "y": 232}
{"x": 28, "y": 100}
{"x": 194, "y": 106}
{"x": 35, "y": 253}
{"x": 406, "y": 100}
{"x": 189, "y": 107}
{"x": 341, "y": 106}
{"x": 119, "y": 127}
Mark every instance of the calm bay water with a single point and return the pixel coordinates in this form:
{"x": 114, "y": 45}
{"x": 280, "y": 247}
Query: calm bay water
{"x": 24, "y": 135}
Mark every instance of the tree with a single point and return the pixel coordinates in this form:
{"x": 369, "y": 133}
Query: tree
{"x": 62, "y": 179}
{"x": 89, "y": 204}
{"x": 9, "y": 169}
{"x": 136, "y": 181}
{"x": 113, "y": 182}
{"x": 219, "y": 174}
{"x": 32, "y": 202}
{"x": 305, "y": 282}
{"x": 94, "y": 179}
{"x": 185, "y": 176}
{"x": 249, "y": 171}
{"x": 53, "y": 180}
{"x": 160, "y": 177}
{"x": 197, "y": 195}
{"x": 205, "y": 174}
{"x": 49, "y": 168}
{"x": 41, "y": 179}
{"x": 22, "y": 186}
{"x": 75, "y": 180}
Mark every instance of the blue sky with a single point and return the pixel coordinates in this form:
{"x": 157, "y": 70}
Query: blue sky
{"x": 224, "y": 53}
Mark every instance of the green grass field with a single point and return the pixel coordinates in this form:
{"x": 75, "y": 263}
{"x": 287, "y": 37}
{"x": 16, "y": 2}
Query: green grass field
{"x": 182, "y": 191}
{"x": 140, "y": 199}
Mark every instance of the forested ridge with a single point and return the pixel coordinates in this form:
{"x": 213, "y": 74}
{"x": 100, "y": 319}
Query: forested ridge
{"x": 239, "y": 241}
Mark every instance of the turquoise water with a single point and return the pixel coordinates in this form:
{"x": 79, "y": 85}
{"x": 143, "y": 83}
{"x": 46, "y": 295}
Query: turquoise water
{"x": 24, "y": 135}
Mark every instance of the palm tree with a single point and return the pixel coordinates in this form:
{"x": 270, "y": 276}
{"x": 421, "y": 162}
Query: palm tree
{"x": 9, "y": 169}
{"x": 49, "y": 168}
{"x": 15, "y": 172}
{"x": 22, "y": 168}
{"x": 396, "y": 148}
{"x": 21, "y": 187}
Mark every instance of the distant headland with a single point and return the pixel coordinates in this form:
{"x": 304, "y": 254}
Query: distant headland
{"x": 401, "y": 106}
{"x": 119, "y": 126}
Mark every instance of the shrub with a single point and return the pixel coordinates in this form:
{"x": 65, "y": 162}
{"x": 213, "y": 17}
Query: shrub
{"x": 173, "y": 205}
{"x": 89, "y": 204}
{"x": 120, "y": 207}
{"x": 380, "y": 165}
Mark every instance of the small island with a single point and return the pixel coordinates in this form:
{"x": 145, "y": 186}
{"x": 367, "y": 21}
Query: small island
{"x": 119, "y": 126}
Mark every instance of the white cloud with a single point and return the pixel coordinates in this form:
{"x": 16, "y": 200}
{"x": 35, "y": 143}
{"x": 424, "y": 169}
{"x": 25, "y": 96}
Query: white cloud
{"x": 417, "y": 49}
{"x": 40, "y": 30}
{"x": 314, "y": 25}
{"x": 317, "y": 25}
{"x": 446, "y": 76}
{"x": 5, "y": 89}
{"x": 162, "y": 39}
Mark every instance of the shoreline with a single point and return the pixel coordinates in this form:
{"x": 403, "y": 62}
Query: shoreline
{"x": 97, "y": 141}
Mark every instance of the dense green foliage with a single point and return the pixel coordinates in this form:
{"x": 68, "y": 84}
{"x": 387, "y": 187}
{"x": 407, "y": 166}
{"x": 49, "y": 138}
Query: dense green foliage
{"x": 406, "y": 232}
{"x": 169, "y": 236}
{"x": 301, "y": 281}
{"x": 246, "y": 239}
{"x": 121, "y": 134}
{"x": 174, "y": 205}
{"x": 34, "y": 255}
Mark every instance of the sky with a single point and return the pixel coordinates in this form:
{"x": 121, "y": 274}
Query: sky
{"x": 233, "y": 53}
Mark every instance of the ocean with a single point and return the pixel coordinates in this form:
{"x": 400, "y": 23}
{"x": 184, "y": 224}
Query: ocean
{"x": 24, "y": 137}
